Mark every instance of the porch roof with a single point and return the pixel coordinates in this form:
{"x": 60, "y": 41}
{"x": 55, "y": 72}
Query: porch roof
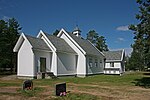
{"x": 60, "y": 44}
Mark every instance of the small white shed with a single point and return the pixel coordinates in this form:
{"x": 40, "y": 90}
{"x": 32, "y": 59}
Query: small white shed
{"x": 115, "y": 62}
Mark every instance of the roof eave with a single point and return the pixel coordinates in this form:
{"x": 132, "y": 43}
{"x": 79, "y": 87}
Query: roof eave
{"x": 38, "y": 49}
{"x": 19, "y": 42}
{"x": 66, "y": 52}
{"x": 70, "y": 38}
{"x": 122, "y": 56}
{"x": 113, "y": 60}
{"x": 48, "y": 42}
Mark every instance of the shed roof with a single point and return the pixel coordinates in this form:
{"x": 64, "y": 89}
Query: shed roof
{"x": 113, "y": 55}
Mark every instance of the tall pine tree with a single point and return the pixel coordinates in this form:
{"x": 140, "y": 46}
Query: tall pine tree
{"x": 9, "y": 33}
{"x": 140, "y": 56}
{"x": 96, "y": 40}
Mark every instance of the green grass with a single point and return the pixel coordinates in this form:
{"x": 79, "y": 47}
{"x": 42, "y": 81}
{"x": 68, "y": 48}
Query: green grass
{"x": 116, "y": 80}
{"x": 5, "y": 83}
{"x": 8, "y": 84}
{"x": 97, "y": 83}
{"x": 127, "y": 79}
{"x": 30, "y": 93}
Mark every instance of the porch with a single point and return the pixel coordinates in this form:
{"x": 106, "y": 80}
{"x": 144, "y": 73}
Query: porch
{"x": 112, "y": 71}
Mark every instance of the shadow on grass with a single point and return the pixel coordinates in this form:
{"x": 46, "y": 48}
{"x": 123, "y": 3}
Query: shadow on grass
{"x": 7, "y": 72}
{"x": 143, "y": 82}
{"x": 146, "y": 73}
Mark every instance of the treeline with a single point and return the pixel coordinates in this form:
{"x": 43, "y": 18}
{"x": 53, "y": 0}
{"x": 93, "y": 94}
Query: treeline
{"x": 9, "y": 33}
{"x": 140, "y": 57}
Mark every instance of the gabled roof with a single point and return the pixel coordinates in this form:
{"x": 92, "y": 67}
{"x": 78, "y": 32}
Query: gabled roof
{"x": 37, "y": 43}
{"x": 86, "y": 45}
{"x": 60, "y": 44}
{"x": 114, "y": 55}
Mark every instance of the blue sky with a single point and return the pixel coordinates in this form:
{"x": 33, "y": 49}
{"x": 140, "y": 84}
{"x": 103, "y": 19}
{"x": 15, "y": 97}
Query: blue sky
{"x": 109, "y": 18}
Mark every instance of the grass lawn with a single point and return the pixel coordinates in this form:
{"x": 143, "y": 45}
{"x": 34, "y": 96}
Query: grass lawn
{"x": 130, "y": 86}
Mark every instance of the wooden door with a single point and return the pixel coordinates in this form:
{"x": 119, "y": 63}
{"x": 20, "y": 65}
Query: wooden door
{"x": 42, "y": 64}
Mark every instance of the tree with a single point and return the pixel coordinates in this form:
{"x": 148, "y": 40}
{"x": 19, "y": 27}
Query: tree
{"x": 56, "y": 32}
{"x": 9, "y": 33}
{"x": 92, "y": 36}
{"x": 101, "y": 44}
{"x": 98, "y": 41}
{"x": 140, "y": 56}
{"x": 3, "y": 41}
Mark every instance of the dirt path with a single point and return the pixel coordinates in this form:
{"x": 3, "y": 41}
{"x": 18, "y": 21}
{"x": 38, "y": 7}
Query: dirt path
{"x": 113, "y": 92}
{"x": 104, "y": 92}
{"x": 11, "y": 89}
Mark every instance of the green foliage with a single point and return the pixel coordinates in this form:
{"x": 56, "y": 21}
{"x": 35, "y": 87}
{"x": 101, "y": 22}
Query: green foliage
{"x": 140, "y": 56}
{"x": 56, "y": 32}
{"x": 98, "y": 41}
{"x": 92, "y": 36}
{"x": 101, "y": 44}
{"x": 9, "y": 33}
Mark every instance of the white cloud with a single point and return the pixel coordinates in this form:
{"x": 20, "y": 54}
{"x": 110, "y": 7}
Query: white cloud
{"x": 128, "y": 51}
{"x": 122, "y": 28}
{"x": 121, "y": 39}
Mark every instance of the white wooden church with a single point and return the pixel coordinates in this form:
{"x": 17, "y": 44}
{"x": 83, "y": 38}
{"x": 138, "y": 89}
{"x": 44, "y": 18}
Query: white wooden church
{"x": 63, "y": 55}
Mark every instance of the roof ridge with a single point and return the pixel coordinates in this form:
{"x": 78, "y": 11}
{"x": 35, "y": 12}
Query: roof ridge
{"x": 114, "y": 50}
{"x": 32, "y": 36}
{"x": 53, "y": 36}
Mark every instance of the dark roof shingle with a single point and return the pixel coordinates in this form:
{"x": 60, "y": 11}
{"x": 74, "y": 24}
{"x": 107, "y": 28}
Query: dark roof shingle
{"x": 60, "y": 44}
{"x": 37, "y": 43}
{"x": 85, "y": 45}
{"x": 113, "y": 55}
